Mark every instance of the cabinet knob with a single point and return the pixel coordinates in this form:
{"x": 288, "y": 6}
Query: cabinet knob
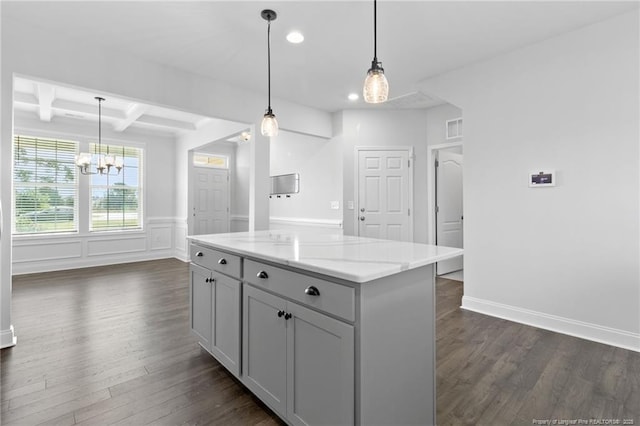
{"x": 263, "y": 275}
{"x": 199, "y": 254}
{"x": 206, "y": 280}
{"x": 312, "y": 291}
{"x": 287, "y": 316}
{"x": 280, "y": 314}
{"x": 222, "y": 261}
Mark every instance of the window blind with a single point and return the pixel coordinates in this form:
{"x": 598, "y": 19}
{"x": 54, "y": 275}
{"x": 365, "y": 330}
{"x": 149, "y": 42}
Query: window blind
{"x": 116, "y": 200}
{"x": 45, "y": 185}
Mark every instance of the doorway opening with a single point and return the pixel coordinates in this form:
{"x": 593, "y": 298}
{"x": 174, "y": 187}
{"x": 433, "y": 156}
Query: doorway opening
{"x": 446, "y": 213}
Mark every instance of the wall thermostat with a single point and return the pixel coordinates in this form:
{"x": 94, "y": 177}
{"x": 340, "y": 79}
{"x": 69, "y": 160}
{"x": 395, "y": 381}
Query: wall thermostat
{"x": 542, "y": 178}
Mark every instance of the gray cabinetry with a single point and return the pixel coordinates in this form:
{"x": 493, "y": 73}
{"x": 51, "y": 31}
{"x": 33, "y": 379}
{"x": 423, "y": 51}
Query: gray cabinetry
{"x": 215, "y": 304}
{"x": 200, "y": 301}
{"x": 297, "y": 360}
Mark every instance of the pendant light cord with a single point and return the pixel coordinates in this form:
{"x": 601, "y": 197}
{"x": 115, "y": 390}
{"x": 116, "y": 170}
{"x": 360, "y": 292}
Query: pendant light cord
{"x": 269, "y": 62}
{"x": 100, "y": 126}
{"x": 375, "y": 32}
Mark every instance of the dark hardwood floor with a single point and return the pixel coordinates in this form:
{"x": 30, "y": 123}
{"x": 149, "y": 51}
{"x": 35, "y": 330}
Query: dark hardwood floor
{"x": 111, "y": 345}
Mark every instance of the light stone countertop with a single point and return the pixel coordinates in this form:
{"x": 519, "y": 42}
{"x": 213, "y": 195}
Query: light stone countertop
{"x": 330, "y": 253}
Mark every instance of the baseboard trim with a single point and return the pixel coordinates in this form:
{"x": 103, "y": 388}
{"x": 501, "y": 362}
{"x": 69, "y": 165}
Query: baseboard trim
{"x": 571, "y": 327}
{"x": 7, "y": 338}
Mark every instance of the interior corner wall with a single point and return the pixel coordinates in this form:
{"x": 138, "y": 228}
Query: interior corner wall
{"x": 567, "y": 257}
{"x": 318, "y": 161}
{"x": 386, "y": 128}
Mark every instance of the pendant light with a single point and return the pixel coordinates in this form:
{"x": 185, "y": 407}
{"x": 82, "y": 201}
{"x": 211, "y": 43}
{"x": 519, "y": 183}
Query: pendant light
{"x": 104, "y": 162}
{"x": 269, "y": 125}
{"x": 376, "y": 87}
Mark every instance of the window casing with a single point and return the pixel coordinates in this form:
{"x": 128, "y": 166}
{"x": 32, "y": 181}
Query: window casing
{"x": 117, "y": 199}
{"x": 45, "y": 186}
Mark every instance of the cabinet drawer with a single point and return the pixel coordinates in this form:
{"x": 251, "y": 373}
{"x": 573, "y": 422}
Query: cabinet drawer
{"x": 333, "y": 298}
{"x": 216, "y": 260}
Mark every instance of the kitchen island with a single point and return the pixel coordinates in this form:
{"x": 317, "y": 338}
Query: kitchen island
{"x": 324, "y": 328}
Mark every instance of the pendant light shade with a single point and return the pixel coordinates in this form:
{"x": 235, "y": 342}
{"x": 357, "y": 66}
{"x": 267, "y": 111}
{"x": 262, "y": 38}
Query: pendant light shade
{"x": 376, "y": 86}
{"x": 269, "y": 125}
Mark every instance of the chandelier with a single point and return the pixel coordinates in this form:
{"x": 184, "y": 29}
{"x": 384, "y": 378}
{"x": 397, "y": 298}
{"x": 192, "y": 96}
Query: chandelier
{"x": 104, "y": 162}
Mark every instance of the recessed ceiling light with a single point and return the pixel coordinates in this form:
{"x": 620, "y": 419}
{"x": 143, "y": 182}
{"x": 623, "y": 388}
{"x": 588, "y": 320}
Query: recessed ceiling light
{"x": 353, "y": 96}
{"x": 295, "y": 37}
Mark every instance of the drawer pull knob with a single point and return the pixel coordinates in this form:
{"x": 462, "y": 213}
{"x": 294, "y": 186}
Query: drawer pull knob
{"x": 287, "y": 316}
{"x": 280, "y": 314}
{"x": 199, "y": 254}
{"x": 263, "y": 275}
{"x": 222, "y": 261}
{"x": 207, "y": 280}
{"x": 312, "y": 291}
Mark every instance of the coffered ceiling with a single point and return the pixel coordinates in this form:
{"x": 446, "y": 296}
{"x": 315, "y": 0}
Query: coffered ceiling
{"x": 226, "y": 40}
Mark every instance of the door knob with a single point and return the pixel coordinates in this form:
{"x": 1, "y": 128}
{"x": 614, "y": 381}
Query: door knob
{"x": 362, "y": 209}
{"x": 362, "y": 218}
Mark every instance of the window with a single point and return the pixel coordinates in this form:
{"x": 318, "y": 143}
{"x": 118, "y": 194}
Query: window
{"x": 211, "y": 160}
{"x": 116, "y": 200}
{"x": 45, "y": 185}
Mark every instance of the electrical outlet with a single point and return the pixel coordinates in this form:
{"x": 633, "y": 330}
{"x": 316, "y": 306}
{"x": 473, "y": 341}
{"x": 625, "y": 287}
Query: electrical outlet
{"x": 335, "y": 205}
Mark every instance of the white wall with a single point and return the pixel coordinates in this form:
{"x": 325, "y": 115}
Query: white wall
{"x": 37, "y": 253}
{"x": 240, "y": 201}
{"x": 33, "y": 52}
{"x": 319, "y": 163}
{"x": 386, "y": 128}
{"x": 567, "y": 257}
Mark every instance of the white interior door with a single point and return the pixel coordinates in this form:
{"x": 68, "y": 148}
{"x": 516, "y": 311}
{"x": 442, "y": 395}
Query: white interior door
{"x": 449, "y": 213}
{"x": 211, "y": 200}
{"x": 384, "y": 191}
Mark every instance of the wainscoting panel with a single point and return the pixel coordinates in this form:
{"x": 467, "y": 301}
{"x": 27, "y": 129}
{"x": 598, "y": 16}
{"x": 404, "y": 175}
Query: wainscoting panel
{"x": 180, "y": 240}
{"x": 160, "y": 233}
{"x": 38, "y": 250}
{"x": 162, "y": 237}
{"x": 124, "y": 244}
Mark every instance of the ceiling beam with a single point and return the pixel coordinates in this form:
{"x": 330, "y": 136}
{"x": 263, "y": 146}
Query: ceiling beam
{"x": 166, "y": 122}
{"x": 77, "y": 107}
{"x": 46, "y": 95}
{"x": 133, "y": 114}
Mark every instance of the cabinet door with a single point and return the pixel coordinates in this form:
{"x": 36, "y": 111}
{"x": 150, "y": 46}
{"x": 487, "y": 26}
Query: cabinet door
{"x": 225, "y": 344}
{"x": 200, "y": 304}
{"x": 264, "y": 363}
{"x": 320, "y": 369}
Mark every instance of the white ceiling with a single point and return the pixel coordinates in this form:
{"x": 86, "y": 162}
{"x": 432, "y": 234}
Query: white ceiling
{"x": 226, "y": 40}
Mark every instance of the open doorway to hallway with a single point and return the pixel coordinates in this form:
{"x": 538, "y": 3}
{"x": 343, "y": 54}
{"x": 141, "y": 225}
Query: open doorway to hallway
{"x": 447, "y": 214}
